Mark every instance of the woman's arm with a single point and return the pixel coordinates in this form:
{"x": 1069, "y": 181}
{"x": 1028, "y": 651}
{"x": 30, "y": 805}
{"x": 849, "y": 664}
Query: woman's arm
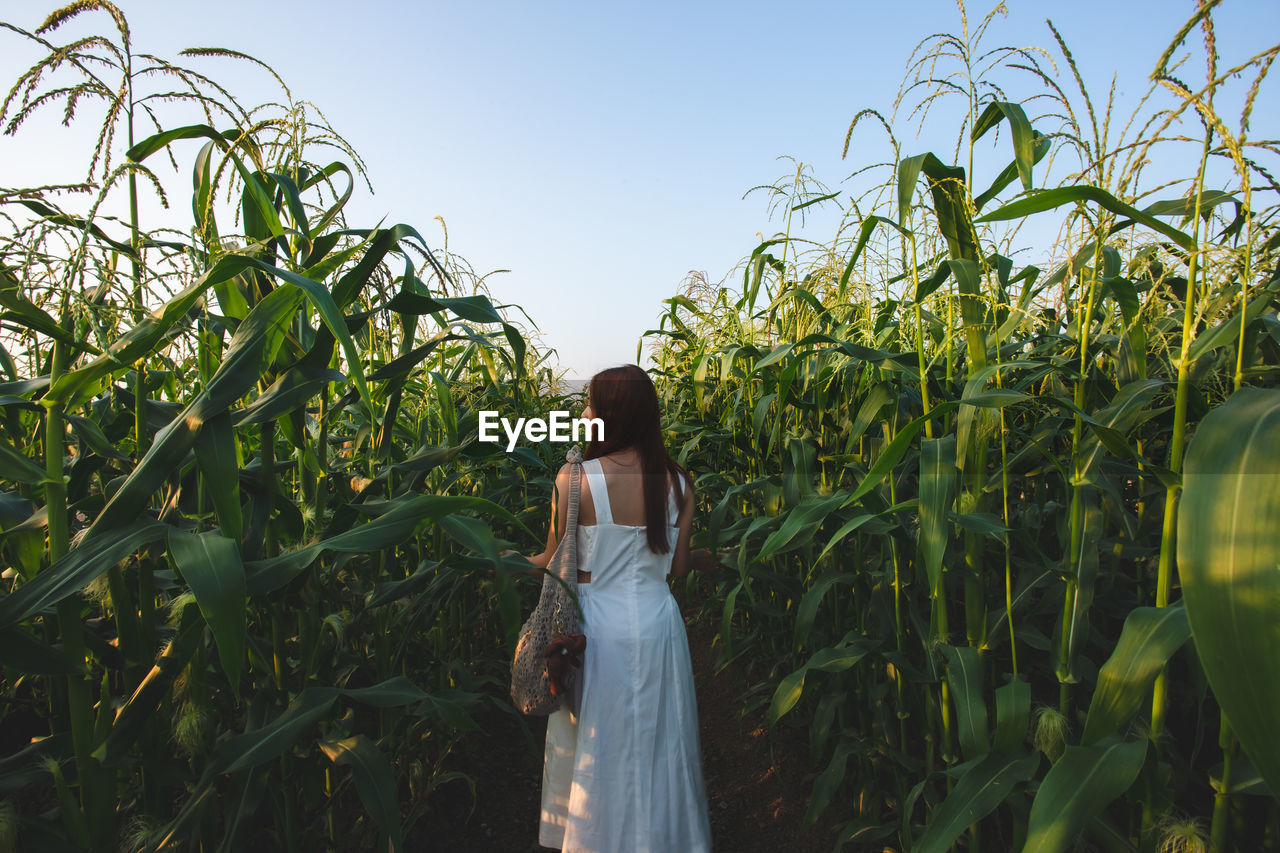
{"x": 685, "y": 560}
{"x": 682, "y": 562}
{"x": 559, "y": 510}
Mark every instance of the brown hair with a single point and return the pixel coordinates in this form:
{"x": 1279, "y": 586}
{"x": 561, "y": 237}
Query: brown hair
{"x": 625, "y": 399}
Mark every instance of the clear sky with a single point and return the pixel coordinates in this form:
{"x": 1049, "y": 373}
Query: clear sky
{"x": 600, "y": 150}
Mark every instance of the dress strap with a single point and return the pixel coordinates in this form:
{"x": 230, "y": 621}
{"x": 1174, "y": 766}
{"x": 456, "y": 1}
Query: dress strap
{"x": 599, "y": 490}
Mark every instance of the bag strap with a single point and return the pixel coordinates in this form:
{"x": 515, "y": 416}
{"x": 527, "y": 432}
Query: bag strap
{"x": 568, "y": 568}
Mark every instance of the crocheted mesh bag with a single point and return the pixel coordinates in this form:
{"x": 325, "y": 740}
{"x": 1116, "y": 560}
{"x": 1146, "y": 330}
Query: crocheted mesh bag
{"x": 556, "y": 613}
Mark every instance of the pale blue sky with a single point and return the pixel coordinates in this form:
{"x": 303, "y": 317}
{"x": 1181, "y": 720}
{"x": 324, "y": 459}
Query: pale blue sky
{"x": 600, "y": 151}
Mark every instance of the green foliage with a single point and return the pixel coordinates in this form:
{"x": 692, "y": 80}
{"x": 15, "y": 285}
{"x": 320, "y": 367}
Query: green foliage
{"x": 242, "y": 499}
{"x": 1229, "y": 560}
{"x": 262, "y": 429}
{"x": 949, "y": 482}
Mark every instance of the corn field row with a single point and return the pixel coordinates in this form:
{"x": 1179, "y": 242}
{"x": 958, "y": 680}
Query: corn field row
{"x": 246, "y": 522}
{"x": 977, "y": 560}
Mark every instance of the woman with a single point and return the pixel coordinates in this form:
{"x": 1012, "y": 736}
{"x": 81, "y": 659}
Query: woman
{"x": 624, "y": 774}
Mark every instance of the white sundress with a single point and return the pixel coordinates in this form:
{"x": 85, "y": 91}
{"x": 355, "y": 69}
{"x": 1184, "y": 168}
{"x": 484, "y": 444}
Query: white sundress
{"x": 625, "y": 774}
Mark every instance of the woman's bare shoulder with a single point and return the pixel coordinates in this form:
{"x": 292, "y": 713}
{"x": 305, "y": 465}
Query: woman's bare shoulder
{"x": 564, "y": 478}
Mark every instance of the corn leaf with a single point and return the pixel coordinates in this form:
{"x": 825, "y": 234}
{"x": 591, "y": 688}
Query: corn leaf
{"x": 210, "y": 564}
{"x": 1076, "y": 790}
{"x": 1228, "y": 553}
{"x": 1149, "y": 637}
{"x": 980, "y": 790}
{"x": 938, "y": 482}
{"x": 375, "y": 781}
{"x": 964, "y": 674}
{"x": 1043, "y": 200}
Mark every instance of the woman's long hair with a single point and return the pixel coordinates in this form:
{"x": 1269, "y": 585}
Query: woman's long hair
{"x": 625, "y": 399}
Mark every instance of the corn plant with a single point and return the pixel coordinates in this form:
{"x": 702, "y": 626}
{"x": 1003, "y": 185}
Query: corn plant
{"x": 949, "y": 482}
{"x": 246, "y": 519}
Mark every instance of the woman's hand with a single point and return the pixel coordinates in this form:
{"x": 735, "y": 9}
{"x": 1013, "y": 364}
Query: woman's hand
{"x": 699, "y": 560}
{"x": 702, "y": 560}
{"x": 533, "y": 573}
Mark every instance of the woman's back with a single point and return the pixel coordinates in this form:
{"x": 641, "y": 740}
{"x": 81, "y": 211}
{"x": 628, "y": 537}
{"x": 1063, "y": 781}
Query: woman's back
{"x": 613, "y": 545}
{"x": 625, "y": 493}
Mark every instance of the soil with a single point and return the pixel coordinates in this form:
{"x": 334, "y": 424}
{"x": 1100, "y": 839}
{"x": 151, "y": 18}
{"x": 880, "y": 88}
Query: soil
{"x": 754, "y": 805}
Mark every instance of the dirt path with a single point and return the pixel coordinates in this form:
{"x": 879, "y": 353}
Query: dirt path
{"x": 754, "y": 806}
